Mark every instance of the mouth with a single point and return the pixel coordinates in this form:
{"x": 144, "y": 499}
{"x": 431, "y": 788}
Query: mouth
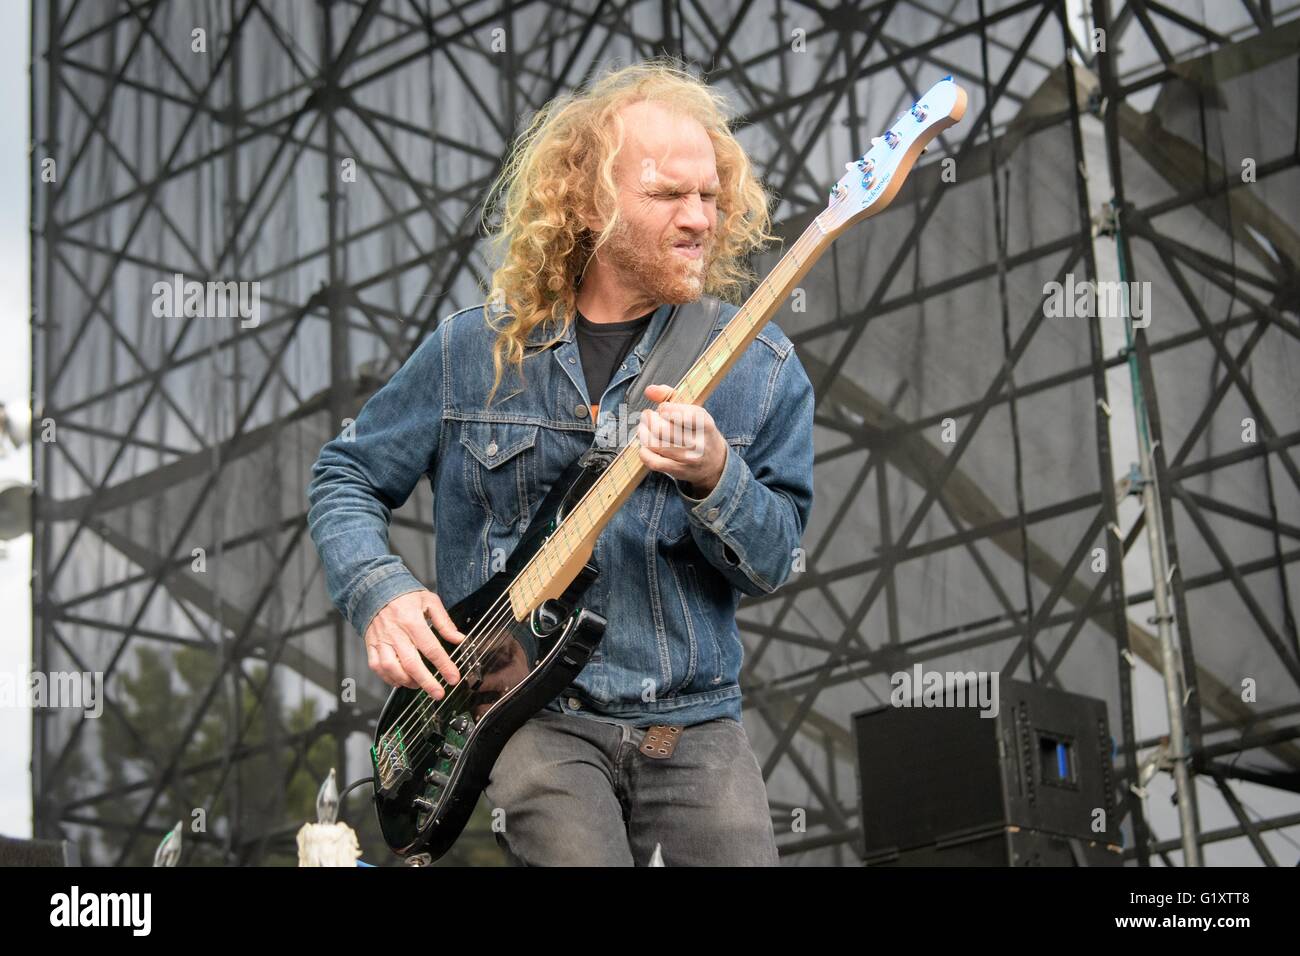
{"x": 689, "y": 248}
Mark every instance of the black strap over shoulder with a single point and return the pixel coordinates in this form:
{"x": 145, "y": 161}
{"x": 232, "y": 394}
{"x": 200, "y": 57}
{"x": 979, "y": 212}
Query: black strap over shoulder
{"x": 681, "y": 342}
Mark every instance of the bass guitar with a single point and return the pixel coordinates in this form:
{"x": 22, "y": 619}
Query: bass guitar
{"x": 527, "y": 634}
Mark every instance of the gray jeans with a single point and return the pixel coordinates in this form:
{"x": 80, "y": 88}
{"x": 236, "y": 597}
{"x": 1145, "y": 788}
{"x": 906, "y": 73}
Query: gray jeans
{"x": 577, "y": 791}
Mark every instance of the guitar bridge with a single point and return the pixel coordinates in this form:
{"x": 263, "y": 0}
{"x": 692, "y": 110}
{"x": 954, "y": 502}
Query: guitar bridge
{"x": 391, "y": 761}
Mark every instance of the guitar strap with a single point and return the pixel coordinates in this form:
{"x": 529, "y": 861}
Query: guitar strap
{"x": 681, "y": 342}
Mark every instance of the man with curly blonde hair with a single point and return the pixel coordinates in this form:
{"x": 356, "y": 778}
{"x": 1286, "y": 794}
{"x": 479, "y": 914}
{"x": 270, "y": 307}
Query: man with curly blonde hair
{"x": 617, "y": 203}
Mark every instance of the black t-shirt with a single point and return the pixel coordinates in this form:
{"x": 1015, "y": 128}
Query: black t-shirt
{"x": 603, "y": 346}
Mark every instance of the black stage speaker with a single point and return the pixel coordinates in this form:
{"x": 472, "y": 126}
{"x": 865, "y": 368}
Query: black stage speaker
{"x": 1031, "y": 785}
{"x": 15, "y": 852}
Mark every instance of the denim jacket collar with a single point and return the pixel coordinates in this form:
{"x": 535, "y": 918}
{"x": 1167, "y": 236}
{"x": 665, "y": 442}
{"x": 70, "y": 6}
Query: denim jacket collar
{"x": 544, "y": 331}
{"x": 566, "y": 348}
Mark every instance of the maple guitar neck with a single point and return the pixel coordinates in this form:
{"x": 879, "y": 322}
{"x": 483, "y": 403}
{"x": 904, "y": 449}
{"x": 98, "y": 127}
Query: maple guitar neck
{"x": 558, "y": 561}
{"x": 871, "y": 184}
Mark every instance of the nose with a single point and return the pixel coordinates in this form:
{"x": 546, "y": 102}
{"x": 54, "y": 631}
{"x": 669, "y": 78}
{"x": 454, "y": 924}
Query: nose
{"x": 692, "y": 216}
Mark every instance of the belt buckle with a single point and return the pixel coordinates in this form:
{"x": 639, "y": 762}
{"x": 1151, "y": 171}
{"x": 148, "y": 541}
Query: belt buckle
{"x": 660, "y": 741}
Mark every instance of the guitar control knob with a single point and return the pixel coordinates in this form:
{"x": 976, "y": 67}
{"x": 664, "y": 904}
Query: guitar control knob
{"x": 437, "y": 778}
{"x": 450, "y": 750}
{"x": 550, "y": 615}
{"x": 459, "y": 723}
{"x": 420, "y": 803}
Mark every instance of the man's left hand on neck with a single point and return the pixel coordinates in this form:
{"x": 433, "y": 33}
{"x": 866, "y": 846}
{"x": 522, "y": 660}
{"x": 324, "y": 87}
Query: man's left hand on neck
{"x": 683, "y": 442}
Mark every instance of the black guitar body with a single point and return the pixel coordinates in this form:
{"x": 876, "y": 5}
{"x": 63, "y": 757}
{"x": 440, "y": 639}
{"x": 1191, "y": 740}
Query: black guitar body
{"x": 433, "y": 758}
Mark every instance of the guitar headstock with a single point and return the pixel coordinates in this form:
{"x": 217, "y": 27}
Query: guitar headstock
{"x": 874, "y": 178}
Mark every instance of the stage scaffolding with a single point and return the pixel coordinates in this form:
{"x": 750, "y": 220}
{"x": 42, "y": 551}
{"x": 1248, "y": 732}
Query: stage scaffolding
{"x": 971, "y": 511}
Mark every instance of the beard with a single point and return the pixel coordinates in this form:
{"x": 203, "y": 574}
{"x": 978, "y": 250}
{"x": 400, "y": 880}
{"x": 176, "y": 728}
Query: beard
{"x": 664, "y": 275}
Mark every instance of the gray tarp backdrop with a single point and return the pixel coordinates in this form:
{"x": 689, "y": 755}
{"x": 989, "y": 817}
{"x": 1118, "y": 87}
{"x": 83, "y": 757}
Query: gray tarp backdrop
{"x": 337, "y": 155}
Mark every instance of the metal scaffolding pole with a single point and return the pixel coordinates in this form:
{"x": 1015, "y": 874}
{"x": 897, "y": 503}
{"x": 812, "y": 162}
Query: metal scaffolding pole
{"x": 1171, "y": 665}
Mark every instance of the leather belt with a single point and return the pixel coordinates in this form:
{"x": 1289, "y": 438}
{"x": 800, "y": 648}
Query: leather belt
{"x": 660, "y": 741}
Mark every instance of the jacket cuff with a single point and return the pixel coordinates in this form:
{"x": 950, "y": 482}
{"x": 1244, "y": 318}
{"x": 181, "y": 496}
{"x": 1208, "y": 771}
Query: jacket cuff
{"x": 714, "y": 510}
{"x": 376, "y": 590}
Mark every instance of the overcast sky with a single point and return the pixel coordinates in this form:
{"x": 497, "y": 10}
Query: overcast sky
{"x": 15, "y": 390}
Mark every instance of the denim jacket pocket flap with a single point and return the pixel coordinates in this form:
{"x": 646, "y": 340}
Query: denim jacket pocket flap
{"x": 494, "y": 443}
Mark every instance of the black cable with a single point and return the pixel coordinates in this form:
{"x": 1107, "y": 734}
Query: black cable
{"x": 352, "y": 786}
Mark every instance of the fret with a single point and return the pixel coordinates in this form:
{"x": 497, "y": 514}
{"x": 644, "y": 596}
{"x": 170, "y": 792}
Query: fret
{"x": 851, "y": 200}
{"x": 595, "y": 509}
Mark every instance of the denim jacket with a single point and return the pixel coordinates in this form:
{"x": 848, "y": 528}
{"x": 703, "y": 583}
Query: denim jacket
{"x": 672, "y": 567}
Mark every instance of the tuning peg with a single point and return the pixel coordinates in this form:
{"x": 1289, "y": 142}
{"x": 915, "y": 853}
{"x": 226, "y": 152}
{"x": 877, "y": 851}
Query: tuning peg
{"x": 891, "y": 139}
{"x": 918, "y": 112}
{"x": 875, "y": 140}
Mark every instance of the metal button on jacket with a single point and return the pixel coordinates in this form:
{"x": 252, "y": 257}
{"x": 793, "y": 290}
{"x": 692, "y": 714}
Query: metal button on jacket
{"x": 492, "y": 449}
{"x": 713, "y": 514}
{"x": 580, "y": 411}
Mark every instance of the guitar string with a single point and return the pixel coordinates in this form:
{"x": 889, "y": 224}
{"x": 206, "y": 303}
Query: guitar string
{"x": 801, "y": 241}
{"x": 437, "y": 705}
{"x": 497, "y": 612}
{"x": 496, "y": 616}
{"x": 473, "y": 644}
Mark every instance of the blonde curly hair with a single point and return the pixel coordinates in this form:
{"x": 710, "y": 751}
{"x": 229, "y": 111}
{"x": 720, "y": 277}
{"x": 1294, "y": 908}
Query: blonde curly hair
{"x": 561, "y": 169}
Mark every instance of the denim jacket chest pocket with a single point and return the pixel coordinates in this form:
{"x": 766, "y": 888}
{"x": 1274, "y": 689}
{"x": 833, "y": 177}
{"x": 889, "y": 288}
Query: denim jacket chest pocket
{"x": 500, "y": 462}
